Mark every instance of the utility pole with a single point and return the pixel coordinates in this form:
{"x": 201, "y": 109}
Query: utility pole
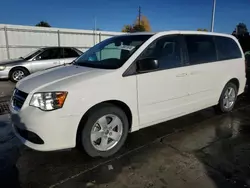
{"x": 213, "y": 15}
{"x": 95, "y": 30}
{"x": 139, "y": 17}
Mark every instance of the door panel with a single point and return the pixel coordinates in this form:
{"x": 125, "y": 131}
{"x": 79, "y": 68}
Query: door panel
{"x": 203, "y": 85}
{"x": 203, "y": 71}
{"x": 44, "y": 64}
{"x": 163, "y": 93}
{"x": 47, "y": 59}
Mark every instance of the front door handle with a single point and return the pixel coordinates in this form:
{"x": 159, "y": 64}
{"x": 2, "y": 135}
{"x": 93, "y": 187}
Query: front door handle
{"x": 181, "y": 75}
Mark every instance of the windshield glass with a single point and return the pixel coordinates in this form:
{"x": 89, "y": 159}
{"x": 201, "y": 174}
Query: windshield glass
{"x": 31, "y": 55}
{"x": 111, "y": 53}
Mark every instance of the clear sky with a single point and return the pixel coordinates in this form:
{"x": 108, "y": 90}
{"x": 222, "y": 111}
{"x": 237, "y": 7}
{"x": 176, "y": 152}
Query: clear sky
{"x": 111, "y": 15}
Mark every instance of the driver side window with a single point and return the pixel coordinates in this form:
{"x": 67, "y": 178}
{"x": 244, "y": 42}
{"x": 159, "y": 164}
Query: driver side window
{"x": 167, "y": 50}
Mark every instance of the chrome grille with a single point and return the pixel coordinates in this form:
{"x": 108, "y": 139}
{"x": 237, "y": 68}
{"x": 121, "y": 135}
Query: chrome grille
{"x": 18, "y": 98}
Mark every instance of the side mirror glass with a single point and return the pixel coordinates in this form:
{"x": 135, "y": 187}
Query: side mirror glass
{"x": 148, "y": 64}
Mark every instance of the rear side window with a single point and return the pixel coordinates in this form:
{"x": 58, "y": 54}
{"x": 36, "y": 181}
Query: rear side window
{"x": 68, "y": 53}
{"x": 227, "y": 48}
{"x": 201, "y": 49}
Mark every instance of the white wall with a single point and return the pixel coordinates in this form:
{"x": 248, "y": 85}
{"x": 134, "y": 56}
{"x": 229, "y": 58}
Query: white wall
{"x": 21, "y": 40}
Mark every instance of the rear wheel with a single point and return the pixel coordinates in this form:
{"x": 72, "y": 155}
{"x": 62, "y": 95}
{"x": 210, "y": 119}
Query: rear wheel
{"x": 228, "y": 98}
{"x": 17, "y": 74}
{"x": 105, "y": 131}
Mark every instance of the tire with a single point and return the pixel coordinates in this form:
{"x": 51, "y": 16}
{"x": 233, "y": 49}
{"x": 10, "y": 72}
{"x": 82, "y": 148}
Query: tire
{"x": 22, "y": 73}
{"x": 87, "y": 131}
{"x": 222, "y": 106}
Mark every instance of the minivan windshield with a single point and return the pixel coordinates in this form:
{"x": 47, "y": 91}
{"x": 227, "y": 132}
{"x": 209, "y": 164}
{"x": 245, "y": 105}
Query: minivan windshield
{"x": 111, "y": 53}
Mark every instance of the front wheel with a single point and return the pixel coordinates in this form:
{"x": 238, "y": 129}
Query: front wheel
{"x": 105, "y": 131}
{"x": 17, "y": 74}
{"x": 228, "y": 98}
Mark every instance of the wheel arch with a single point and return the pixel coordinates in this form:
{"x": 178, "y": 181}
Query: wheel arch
{"x": 232, "y": 80}
{"x": 218, "y": 108}
{"x": 235, "y": 81}
{"x": 117, "y": 103}
{"x": 18, "y": 67}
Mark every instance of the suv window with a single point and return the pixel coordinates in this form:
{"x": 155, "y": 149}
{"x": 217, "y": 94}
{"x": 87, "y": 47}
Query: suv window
{"x": 68, "y": 53}
{"x": 227, "y": 48}
{"x": 201, "y": 49}
{"x": 53, "y": 53}
{"x": 166, "y": 50}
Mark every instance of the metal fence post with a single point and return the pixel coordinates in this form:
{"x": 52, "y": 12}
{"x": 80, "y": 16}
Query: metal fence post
{"x": 7, "y": 42}
{"x": 93, "y": 37}
{"x": 100, "y": 37}
{"x": 58, "y": 38}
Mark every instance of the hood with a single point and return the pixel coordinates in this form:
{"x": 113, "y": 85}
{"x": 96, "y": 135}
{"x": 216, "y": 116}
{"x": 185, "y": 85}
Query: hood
{"x": 11, "y": 61}
{"x": 57, "y": 78}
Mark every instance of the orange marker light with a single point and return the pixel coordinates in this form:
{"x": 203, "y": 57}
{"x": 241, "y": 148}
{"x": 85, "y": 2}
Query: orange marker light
{"x": 60, "y": 98}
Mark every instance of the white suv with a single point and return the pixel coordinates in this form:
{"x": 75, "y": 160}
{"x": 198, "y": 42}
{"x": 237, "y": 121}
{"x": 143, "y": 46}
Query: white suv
{"x": 126, "y": 83}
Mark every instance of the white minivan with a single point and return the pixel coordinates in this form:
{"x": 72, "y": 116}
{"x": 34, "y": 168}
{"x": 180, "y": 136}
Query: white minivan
{"x": 126, "y": 83}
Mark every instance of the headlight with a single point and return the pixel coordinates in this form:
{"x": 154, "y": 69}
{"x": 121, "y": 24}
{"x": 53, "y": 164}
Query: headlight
{"x": 48, "y": 101}
{"x": 2, "y": 67}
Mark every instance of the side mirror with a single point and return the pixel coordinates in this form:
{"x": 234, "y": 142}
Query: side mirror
{"x": 148, "y": 64}
{"x": 38, "y": 57}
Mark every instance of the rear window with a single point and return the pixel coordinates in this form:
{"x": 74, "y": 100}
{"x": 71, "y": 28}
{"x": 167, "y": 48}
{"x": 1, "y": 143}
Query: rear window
{"x": 227, "y": 48}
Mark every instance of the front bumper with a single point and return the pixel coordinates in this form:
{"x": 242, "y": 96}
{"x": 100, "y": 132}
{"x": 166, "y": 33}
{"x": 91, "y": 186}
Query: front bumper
{"x": 4, "y": 74}
{"x": 49, "y": 130}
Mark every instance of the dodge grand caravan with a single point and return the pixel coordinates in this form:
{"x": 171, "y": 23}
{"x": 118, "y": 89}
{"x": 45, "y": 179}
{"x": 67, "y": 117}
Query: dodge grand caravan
{"x": 126, "y": 83}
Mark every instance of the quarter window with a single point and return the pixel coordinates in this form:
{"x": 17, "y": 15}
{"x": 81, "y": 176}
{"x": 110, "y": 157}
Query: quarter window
{"x": 227, "y": 48}
{"x": 201, "y": 49}
{"x": 166, "y": 50}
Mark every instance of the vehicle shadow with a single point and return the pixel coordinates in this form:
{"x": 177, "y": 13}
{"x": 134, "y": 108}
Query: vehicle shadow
{"x": 229, "y": 155}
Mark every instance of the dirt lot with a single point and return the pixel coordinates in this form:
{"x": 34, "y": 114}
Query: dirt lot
{"x": 198, "y": 150}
